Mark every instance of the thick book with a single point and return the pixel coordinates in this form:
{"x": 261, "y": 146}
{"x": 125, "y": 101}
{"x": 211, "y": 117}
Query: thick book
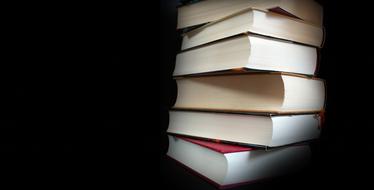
{"x": 212, "y": 10}
{"x": 268, "y": 93}
{"x": 254, "y": 130}
{"x": 227, "y": 166}
{"x": 258, "y": 22}
{"x": 248, "y": 52}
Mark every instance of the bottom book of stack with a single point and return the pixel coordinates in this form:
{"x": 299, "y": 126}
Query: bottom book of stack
{"x": 226, "y": 165}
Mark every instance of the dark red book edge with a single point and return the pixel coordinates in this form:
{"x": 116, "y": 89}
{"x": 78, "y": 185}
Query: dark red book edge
{"x": 213, "y": 182}
{"x": 216, "y": 146}
{"x": 251, "y": 147}
{"x": 283, "y": 12}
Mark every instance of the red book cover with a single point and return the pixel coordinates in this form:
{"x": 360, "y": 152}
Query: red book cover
{"x": 211, "y": 181}
{"x": 221, "y": 148}
{"x": 218, "y": 147}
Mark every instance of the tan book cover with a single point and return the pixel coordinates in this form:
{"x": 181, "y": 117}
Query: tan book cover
{"x": 257, "y": 22}
{"x": 213, "y": 10}
{"x": 268, "y": 93}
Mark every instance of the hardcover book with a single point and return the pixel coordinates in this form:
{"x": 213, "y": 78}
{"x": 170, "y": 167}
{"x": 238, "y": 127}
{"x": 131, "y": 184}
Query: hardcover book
{"x": 258, "y": 22}
{"x": 212, "y": 10}
{"x": 248, "y": 52}
{"x": 254, "y": 130}
{"x": 268, "y": 93}
{"x": 230, "y": 165}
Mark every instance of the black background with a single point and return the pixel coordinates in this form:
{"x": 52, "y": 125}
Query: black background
{"x": 61, "y": 93}
{"x": 342, "y": 157}
{"x": 80, "y": 94}
{"x": 69, "y": 85}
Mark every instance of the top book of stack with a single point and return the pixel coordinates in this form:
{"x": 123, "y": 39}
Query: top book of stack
{"x": 213, "y": 10}
{"x": 280, "y": 36}
{"x": 258, "y": 21}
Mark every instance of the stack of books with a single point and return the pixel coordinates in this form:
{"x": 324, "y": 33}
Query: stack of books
{"x": 248, "y": 100}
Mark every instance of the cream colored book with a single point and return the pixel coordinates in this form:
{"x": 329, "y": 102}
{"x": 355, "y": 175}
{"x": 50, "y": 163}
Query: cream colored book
{"x": 276, "y": 93}
{"x": 248, "y": 52}
{"x": 213, "y": 10}
{"x": 258, "y": 22}
{"x": 258, "y": 130}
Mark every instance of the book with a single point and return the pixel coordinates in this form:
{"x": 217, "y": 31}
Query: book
{"x": 253, "y": 130}
{"x": 248, "y": 52}
{"x": 258, "y": 22}
{"x": 212, "y": 10}
{"x": 269, "y": 93}
{"x": 227, "y": 166}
